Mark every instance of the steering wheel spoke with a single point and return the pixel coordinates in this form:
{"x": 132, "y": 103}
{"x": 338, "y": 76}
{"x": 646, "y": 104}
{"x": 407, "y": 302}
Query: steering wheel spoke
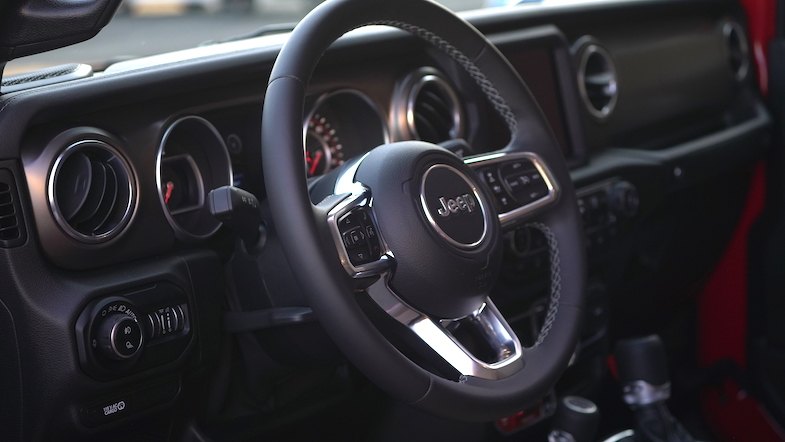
{"x": 353, "y": 228}
{"x": 481, "y": 344}
{"x": 521, "y": 183}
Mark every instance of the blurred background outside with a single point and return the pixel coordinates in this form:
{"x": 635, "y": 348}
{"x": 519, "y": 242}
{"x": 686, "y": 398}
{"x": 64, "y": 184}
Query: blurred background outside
{"x": 147, "y": 27}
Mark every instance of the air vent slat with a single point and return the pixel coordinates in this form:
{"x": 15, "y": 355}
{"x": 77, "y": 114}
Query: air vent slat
{"x": 425, "y": 129}
{"x": 108, "y": 200}
{"x": 7, "y": 210}
{"x": 431, "y": 97}
{"x": 92, "y": 189}
{"x": 601, "y": 79}
{"x": 12, "y": 231}
{"x": 8, "y": 222}
{"x": 436, "y": 122}
{"x": 433, "y": 109}
{"x": 75, "y": 178}
{"x": 94, "y": 195}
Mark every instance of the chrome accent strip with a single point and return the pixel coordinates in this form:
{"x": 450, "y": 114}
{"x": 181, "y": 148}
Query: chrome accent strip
{"x": 127, "y": 211}
{"x": 640, "y": 393}
{"x": 478, "y": 196}
{"x": 436, "y": 334}
{"x": 618, "y": 437}
{"x": 588, "y": 51}
{"x": 345, "y": 182}
{"x": 508, "y": 218}
{"x": 360, "y": 197}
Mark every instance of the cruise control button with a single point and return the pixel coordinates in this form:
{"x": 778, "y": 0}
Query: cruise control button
{"x": 515, "y": 167}
{"x": 357, "y": 235}
{"x": 359, "y": 256}
{"x": 490, "y": 176}
{"x": 348, "y": 242}
{"x": 376, "y": 250}
{"x": 532, "y": 193}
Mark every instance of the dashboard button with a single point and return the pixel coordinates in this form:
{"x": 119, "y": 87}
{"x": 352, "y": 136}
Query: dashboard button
{"x": 107, "y": 411}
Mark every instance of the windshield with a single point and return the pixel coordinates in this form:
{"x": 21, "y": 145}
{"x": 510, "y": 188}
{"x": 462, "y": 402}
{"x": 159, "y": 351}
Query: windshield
{"x": 147, "y": 27}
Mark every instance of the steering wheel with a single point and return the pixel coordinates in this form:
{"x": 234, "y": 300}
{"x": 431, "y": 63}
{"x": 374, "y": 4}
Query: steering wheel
{"x": 415, "y": 232}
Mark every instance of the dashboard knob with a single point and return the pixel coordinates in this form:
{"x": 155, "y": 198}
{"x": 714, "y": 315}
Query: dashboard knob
{"x": 119, "y": 337}
{"x": 624, "y": 199}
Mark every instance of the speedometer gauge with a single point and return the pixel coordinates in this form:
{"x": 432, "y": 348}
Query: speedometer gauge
{"x": 192, "y": 161}
{"x": 323, "y": 148}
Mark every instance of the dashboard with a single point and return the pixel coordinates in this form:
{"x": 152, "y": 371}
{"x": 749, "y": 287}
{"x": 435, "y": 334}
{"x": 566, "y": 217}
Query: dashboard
{"x": 108, "y": 177}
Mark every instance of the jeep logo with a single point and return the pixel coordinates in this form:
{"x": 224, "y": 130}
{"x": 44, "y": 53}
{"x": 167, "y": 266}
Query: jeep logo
{"x": 462, "y": 203}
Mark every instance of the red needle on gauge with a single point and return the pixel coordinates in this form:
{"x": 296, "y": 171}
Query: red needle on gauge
{"x": 314, "y": 163}
{"x": 169, "y": 190}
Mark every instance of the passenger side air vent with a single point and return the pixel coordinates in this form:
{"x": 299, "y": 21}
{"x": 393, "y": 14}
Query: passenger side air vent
{"x": 12, "y": 231}
{"x": 91, "y": 191}
{"x": 597, "y": 80}
{"x": 738, "y": 50}
{"x": 427, "y": 108}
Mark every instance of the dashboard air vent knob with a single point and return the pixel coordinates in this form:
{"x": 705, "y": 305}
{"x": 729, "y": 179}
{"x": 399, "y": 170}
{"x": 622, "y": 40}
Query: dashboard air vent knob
{"x": 91, "y": 191}
{"x": 738, "y": 50}
{"x": 597, "y": 80}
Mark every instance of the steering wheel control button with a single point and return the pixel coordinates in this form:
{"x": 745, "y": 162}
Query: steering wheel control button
{"x": 359, "y": 236}
{"x": 453, "y": 206}
{"x": 515, "y": 183}
{"x": 119, "y": 336}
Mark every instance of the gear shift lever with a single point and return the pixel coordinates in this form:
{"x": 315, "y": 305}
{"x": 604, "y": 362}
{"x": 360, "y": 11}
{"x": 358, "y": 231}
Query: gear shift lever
{"x": 643, "y": 372}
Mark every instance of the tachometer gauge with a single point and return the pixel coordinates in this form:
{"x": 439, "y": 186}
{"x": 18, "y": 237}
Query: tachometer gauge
{"x": 323, "y": 149}
{"x": 341, "y": 125}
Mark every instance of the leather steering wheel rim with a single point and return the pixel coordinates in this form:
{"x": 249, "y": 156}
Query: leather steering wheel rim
{"x": 327, "y": 287}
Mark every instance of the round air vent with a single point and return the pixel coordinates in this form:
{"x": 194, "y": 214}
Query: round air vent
{"x": 91, "y": 191}
{"x": 738, "y": 50}
{"x": 427, "y": 108}
{"x": 597, "y": 80}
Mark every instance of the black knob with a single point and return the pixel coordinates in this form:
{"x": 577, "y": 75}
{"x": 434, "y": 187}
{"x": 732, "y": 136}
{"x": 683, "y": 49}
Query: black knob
{"x": 642, "y": 359}
{"x": 624, "y": 199}
{"x": 119, "y": 336}
{"x": 576, "y": 419}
